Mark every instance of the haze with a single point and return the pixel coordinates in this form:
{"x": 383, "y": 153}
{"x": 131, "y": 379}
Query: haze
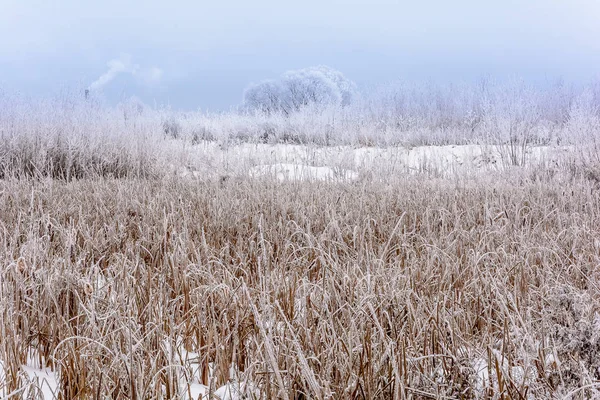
{"x": 191, "y": 54}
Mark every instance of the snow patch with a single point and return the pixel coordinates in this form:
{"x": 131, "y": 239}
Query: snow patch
{"x": 44, "y": 379}
{"x": 197, "y": 391}
{"x": 39, "y": 381}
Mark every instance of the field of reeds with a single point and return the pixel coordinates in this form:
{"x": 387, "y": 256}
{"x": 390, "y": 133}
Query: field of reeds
{"x": 412, "y": 289}
{"x": 122, "y": 277}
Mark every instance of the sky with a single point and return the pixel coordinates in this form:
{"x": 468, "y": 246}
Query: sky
{"x": 198, "y": 54}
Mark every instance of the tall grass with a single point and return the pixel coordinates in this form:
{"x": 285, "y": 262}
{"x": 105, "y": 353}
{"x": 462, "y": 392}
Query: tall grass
{"x": 68, "y": 136}
{"x": 415, "y": 289}
{"x": 514, "y": 113}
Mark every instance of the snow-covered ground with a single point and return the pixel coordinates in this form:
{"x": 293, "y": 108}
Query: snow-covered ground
{"x": 346, "y": 163}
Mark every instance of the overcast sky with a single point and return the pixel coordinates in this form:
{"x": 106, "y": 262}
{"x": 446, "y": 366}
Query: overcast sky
{"x": 202, "y": 54}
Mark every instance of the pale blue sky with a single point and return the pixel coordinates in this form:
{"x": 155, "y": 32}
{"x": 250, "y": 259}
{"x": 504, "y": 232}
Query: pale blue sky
{"x": 203, "y": 54}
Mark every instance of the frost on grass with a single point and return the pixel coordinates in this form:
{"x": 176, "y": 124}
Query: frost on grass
{"x": 417, "y": 288}
{"x": 298, "y": 172}
{"x": 574, "y": 333}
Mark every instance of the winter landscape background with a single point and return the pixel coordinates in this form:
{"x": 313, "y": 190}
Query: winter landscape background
{"x": 329, "y": 200}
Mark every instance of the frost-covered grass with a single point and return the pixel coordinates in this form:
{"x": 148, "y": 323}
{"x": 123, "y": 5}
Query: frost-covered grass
{"x": 68, "y": 137}
{"x": 299, "y": 172}
{"x": 150, "y": 254}
{"x": 412, "y": 288}
{"x": 69, "y": 141}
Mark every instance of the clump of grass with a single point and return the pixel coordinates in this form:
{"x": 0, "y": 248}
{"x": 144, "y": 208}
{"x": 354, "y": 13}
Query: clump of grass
{"x": 67, "y": 140}
{"x": 54, "y": 157}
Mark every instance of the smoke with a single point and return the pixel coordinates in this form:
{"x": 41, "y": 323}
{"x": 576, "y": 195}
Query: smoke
{"x": 117, "y": 66}
{"x": 124, "y": 65}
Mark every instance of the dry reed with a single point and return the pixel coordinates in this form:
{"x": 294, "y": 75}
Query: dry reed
{"x": 415, "y": 288}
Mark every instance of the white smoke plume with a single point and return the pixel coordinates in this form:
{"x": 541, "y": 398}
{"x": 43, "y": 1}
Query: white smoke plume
{"x": 116, "y": 66}
{"x": 124, "y": 64}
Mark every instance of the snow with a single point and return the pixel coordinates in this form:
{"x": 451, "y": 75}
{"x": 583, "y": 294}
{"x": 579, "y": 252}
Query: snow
{"x": 42, "y": 380}
{"x": 190, "y": 386}
{"x": 329, "y": 163}
{"x": 482, "y": 369}
{"x": 197, "y": 391}
{"x": 46, "y": 380}
{"x": 483, "y": 377}
{"x": 230, "y": 391}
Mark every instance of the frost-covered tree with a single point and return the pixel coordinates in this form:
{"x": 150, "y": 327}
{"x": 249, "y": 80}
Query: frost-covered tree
{"x": 266, "y": 96}
{"x": 347, "y": 88}
{"x": 307, "y": 86}
{"x": 299, "y": 88}
{"x": 584, "y": 117}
